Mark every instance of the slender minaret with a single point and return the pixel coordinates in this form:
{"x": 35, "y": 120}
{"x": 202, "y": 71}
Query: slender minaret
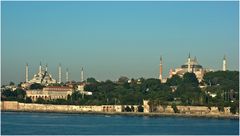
{"x": 46, "y": 67}
{"x": 26, "y": 73}
{"x": 59, "y": 73}
{"x": 188, "y": 62}
{"x": 224, "y": 63}
{"x": 160, "y": 69}
{"x": 40, "y": 67}
{"x": 170, "y": 73}
{"x": 82, "y": 75}
{"x": 67, "y": 75}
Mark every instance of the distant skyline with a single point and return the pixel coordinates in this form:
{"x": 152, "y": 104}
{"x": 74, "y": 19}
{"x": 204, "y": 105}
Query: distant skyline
{"x": 113, "y": 39}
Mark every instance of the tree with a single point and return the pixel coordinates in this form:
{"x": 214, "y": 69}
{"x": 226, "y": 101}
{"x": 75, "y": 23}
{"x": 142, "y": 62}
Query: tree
{"x": 234, "y": 107}
{"x": 123, "y": 79}
{"x": 92, "y": 80}
{"x": 11, "y": 83}
{"x": 175, "y": 109}
{"x": 190, "y": 78}
{"x": 20, "y": 93}
{"x": 36, "y": 86}
{"x": 40, "y": 100}
{"x": 176, "y": 80}
{"x": 140, "y": 108}
{"x": 28, "y": 100}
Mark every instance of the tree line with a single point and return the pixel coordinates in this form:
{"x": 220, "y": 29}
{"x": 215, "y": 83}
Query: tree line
{"x": 176, "y": 91}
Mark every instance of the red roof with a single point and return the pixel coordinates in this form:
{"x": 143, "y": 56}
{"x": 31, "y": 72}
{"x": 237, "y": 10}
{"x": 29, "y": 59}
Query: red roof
{"x": 64, "y": 87}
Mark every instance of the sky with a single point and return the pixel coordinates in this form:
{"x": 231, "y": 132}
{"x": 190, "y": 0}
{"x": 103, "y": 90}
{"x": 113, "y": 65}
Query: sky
{"x": 113, "y": 39}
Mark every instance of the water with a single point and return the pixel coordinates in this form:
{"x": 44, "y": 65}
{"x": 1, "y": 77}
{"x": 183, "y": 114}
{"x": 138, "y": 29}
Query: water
{"x": 24, "y": 123}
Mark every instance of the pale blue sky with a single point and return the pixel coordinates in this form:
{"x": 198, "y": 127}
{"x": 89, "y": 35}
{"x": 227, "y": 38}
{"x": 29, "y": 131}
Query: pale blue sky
{"x": 111, "y": 39}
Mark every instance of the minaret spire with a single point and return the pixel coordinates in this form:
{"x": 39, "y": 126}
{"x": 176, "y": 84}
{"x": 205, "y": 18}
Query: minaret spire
{"x": 224, "y": 63}
{"x": 26, "y": 73}
{"x": 59, "y": 73}
{"x": 82, "y": 75}
{"x": 40, "y": 67}
{"x": 46, "y": 67}
{"x": 188, "y": 62}
{"x": 160, "y": 69}
{"x": 67, "y": 75}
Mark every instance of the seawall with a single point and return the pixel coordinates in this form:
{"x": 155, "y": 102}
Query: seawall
{"x": 185, "y": 111}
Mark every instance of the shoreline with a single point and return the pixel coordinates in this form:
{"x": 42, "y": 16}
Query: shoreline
{"x": 138, "y": 114}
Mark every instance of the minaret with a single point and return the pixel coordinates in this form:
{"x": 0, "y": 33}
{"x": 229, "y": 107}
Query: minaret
{"x": 26, "y": 73}
{"x": 67, "y": 75}
{"x": 59, "y": 73}
{"x": 170, "y": 73}
{"x": 188, "y": 62}
{"x": 82, "y": 75}
{"x": 224, "y": 63}
{"x": 160, "y": 69}
{"x": 46, "y": 67}
{"x": 40, "y": 67}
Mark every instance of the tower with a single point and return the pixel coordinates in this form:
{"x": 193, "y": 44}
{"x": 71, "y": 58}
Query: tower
{"x": 26, "y": 72}
{"x": 160, "y": 69}
{"x": 170, "y": 73}
{"x": 40, "y": 67}
{"x": 67, "y": 75}
{"x": 46, "y": 67}
{"x": 82, "y": 75}
{"x": 224, "y": 63}
{"x": 59, "y": 74}
{"x": 188, "y": 63}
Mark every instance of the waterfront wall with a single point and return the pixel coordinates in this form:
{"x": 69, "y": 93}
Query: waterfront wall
{"x": 16, "y": 106}
{"x": 195, "y": 110}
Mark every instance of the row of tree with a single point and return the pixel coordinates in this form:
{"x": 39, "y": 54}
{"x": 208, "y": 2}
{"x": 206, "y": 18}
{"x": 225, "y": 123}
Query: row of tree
{"x": 177, "y": 90}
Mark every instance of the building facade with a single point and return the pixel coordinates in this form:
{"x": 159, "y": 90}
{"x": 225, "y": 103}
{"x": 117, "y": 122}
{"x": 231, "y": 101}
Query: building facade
{"x": 50, "y": 93}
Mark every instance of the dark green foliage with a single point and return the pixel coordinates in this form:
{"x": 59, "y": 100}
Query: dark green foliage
{"x": 175, "y": 108}
{"x": 16, "y": 95}
{"x": 174, "y": 81}
{"x": 234, "y": 107}
{"x": 11, "y": 83}
{"x": 92, "y": 80}
{"x": 40, "y": 100}
{"x": 190, "y": 78}
{"x": 28, "y": 100}
{"x": 36, "y": 86}
{"x": 140, "y": 108}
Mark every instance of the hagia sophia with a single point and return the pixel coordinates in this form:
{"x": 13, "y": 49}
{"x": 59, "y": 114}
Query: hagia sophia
{"x": 191, "y": 66}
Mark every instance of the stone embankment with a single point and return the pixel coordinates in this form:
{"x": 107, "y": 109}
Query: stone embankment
{"x": 184, "y": 111}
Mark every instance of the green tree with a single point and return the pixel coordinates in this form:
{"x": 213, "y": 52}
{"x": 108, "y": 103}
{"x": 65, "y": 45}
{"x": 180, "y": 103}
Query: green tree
{"x": 11, "y": 83}
{"x": 175, "y": 109}
{"x": 40, "y": 100}
{"x": 28, "y": 100}
{"x": 176, "y": 80}
{"x": 92, "y": 80}
{"x": 190, "y": 78}
{"x": 36, "y": 86}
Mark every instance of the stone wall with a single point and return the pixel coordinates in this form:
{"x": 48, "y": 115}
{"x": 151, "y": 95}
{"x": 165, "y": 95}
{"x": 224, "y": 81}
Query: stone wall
{"x": 197, "y": 110}
{"x": 13, "y": 105}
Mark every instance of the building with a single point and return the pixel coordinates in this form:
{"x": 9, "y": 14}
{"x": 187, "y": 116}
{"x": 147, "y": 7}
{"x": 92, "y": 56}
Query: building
{"x": 42, "y": 77}
{"x": 50, "y": 92}
{"x": 80, "y": 88}
{"x": 191, "y": 65}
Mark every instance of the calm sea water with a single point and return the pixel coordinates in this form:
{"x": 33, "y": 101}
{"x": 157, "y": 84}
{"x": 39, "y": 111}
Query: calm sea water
{"x": 13, "y": 123}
